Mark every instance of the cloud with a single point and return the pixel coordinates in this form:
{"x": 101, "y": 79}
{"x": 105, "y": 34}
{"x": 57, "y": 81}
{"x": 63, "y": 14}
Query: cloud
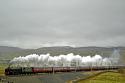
{"x": 29, "y": 23}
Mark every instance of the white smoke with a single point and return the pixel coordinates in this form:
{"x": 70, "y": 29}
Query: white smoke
{"x": 115, "y": 57}
{"x": 45, "y": 60}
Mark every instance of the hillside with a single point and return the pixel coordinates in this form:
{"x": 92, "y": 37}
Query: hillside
{"x": 4, "y": 49}
{"x": 12, "y": 52}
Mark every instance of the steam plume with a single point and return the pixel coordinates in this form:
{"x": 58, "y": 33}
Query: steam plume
{"x": 45, "y": 60}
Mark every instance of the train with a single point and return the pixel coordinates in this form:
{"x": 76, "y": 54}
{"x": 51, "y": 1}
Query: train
{"x": 36, "y": 70}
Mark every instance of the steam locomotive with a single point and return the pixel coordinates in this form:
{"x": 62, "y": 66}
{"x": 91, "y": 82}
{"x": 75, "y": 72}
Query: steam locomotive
{"x": 35, "y": 70}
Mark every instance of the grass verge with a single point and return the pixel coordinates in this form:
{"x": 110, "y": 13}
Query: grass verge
{"x": 107, "y": 77}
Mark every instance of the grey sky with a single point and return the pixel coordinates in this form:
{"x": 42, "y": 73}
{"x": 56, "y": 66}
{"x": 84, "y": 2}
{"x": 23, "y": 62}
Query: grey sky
{"x": 37, "y": 23}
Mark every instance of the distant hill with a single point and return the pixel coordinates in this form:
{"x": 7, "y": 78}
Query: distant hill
{"x": 77, "y": 50}
{"x": 11, "y": 52}
{"x": 9, "y": 49}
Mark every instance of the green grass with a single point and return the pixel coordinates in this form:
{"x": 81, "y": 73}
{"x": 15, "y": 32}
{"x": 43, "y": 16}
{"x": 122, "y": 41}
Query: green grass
{"x": 1, "y": 71}
{"x": 108, "y": 77}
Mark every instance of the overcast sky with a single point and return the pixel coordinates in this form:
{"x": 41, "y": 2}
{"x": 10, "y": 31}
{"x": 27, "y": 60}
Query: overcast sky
{"x": 40, "y": 23}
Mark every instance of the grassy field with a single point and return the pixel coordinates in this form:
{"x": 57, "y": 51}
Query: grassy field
{"x": 1, "y": 71}
{"x": 108, "y": 77}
